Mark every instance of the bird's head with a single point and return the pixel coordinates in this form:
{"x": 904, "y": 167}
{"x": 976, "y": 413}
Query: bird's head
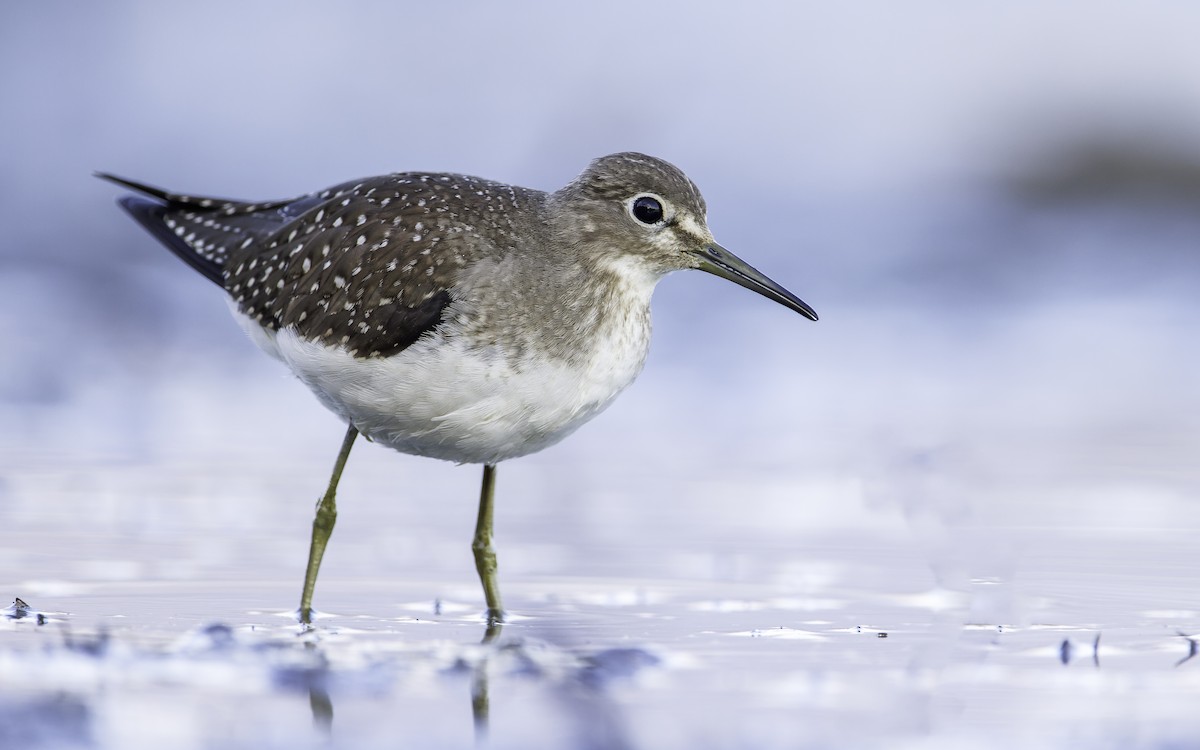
{"x": 652, "y": 220}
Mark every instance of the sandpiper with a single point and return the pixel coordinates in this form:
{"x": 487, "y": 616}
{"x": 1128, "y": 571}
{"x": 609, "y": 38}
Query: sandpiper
{"x": 450, "y": 316}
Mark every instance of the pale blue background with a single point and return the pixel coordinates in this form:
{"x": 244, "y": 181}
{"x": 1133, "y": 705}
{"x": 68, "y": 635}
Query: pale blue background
{"x": 1007, "y": 363}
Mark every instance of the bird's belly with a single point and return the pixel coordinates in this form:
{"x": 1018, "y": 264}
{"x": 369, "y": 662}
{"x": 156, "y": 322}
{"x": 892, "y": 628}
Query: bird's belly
{"x": 445, "y": 399}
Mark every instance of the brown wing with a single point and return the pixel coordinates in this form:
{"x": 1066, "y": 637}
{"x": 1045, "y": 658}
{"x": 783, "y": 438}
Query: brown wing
{"x": 368, "y": 265}
{"x": 369, "y": 268}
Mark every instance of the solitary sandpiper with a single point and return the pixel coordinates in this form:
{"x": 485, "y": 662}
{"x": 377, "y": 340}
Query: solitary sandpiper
{"x": 450, "y": 316}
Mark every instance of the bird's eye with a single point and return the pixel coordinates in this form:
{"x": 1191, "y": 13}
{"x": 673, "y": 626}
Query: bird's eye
{"x": 647, "y": 209}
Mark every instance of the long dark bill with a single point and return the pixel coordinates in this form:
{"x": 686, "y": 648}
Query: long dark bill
{"x": 720, "y": 262}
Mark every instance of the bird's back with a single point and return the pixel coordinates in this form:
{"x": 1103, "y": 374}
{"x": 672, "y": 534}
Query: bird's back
{"x": 368, "y": 265}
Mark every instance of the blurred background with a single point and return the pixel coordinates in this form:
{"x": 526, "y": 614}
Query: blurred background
{"x": 987, "y": 446}
{"x": 993, "y": 208}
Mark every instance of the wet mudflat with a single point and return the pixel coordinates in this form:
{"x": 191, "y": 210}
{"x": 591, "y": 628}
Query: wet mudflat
{"x": 864, "y": 649}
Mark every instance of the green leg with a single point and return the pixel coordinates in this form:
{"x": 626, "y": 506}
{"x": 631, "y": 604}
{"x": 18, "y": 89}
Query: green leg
{"x": 485, "y": 556}
{"x": 323, "y": 527}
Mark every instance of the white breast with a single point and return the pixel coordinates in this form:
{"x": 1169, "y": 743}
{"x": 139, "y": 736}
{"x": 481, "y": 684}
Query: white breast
{"x": 443, "y": 398}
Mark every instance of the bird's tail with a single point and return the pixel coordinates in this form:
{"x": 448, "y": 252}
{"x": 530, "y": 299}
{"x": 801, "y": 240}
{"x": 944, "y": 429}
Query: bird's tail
{"x": 201, "y": 231}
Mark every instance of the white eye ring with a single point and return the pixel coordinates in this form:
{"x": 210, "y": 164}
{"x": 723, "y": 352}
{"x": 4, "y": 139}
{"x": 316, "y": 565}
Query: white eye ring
{"x": 648, "y": 209}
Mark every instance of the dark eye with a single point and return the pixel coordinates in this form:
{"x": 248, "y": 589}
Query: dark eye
{"x": 647, "y": 210}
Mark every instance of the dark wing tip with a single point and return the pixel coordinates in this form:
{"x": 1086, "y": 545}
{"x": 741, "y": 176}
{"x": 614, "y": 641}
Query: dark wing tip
{"x": 138, "y": 186}
{"x": 151, "y": 215}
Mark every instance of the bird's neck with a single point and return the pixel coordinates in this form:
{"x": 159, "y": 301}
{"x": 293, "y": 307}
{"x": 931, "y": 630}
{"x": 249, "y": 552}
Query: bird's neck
{"x": 561, "y": 307}
{"x": 605, "y": 300}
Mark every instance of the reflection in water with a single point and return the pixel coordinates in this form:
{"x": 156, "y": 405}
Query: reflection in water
{"x": 321, "y": 704}
{"x": 575, "y": 683}
{"x": 318, "y": 697}
{"x": 479, "y": 684}
{"x": 322, "y": 709}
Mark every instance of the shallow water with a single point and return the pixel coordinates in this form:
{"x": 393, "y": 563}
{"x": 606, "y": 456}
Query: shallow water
{"x": 919, "y": 523}
{"x": 868, "y": 656}
{"x": 727, "y": 614}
